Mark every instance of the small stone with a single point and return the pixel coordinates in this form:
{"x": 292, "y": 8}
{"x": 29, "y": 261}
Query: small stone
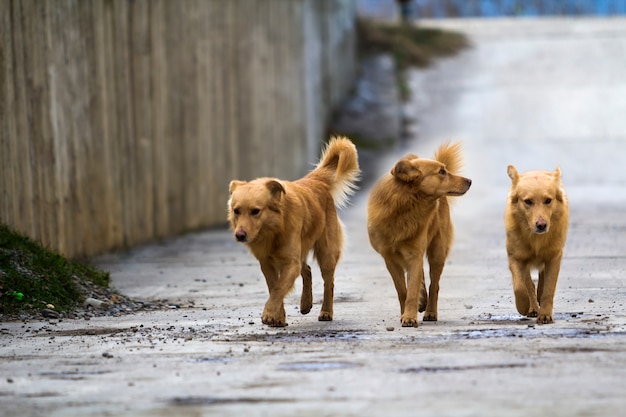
{"x": 591, "y": 300}
{"x": 49, "y": 314}
{"x": 50, "y": 306}
{"x": 107, "y": 355}
{"x": 390, "y": 328}
{"x": 468, "y": 306}
{"x": 92, "y": 302}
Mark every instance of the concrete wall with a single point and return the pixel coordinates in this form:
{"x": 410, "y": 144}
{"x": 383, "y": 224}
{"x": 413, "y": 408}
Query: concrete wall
{"x": 122, "y": 122}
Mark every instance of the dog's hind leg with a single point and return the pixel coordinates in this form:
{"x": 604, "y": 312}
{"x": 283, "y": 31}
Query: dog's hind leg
{"x": 398, "y": 276}
{"x": 327, "y": 258}
{"x": 436, "y": 269}
{"x": 437, "y": 253}
{"x": 540, "y": 283}
{"x": 306, "y": 301}
{"x": 423, "y": 296}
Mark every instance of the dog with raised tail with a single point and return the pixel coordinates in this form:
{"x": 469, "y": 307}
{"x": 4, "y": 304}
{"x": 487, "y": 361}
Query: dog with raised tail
{"x": 536, "y": 220}
{"x": 281, "y": 222}
{"x": 408, "y": 217}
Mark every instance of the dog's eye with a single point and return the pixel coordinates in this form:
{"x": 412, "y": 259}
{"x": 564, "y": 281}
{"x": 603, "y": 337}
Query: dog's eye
{"x": 528, "y": 202}
{"x": 547, "y": 201}
{"x": 255, "y": 211}
{"x": 442, "y": 171}
{"x": 237, "y": 212}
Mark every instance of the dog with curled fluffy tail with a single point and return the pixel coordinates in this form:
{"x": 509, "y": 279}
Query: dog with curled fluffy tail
{"x": 281, "y": 222}
{"x": 408, "y": 218}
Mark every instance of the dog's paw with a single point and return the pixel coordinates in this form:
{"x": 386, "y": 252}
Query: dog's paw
{"x": 409, "y": 322}
{"x": 545, "y": 319}
{"x": 430, "y": 316}
{"x": 273, "y": 321}
{"x": 306, "y": 303}
{"x": 325, "y": 316}
{"x": 532, "y": 313}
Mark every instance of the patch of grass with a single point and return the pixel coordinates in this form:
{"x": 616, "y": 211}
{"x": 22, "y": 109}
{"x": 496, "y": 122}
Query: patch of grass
{"x": 409, "y": 44}
{"x": 42, "y": 276}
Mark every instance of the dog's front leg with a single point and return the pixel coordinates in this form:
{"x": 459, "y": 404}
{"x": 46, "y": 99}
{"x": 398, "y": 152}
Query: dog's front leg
{"x": 524, "y": 289}
{"x": 548, "y": 280}
{"x": 414, "y": 289}
{"x": 279, "y": 283}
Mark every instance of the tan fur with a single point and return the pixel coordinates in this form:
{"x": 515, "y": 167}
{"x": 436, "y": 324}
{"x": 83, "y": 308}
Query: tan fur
{"x": 409, "y": 217}
{"x": 536, "y": 220}
{"x": 282, "y": 221}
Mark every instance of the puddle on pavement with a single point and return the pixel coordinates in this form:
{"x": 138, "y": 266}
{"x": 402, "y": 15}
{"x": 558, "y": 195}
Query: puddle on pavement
{"x": 95, "y": 331}
{"x": 316, "y": 366}
{"x": 297, "y": 336}
{"x": 209, "y": 360}
{"x": 519, "y": 319}
{"x": 440, "y": 369}
{"x": 533, "y": 332}
{"x": 73, "y": 375}
{"x": 195, "y": 401}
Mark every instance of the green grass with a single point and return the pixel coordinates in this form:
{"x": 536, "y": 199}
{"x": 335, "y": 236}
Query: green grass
{"x": 43, "y": 277}
{"x": 409, "y": 44}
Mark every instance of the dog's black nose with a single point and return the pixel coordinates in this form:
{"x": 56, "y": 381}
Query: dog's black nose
{"x": 241, "y": 236}
{"x": 541, "y": 226}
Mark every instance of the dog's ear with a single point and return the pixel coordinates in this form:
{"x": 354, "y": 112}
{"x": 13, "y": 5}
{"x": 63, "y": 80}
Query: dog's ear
{"x": 233, "y": 186}
{"x": 557, "y": 183}
{"x": 276, "y": 188}
{"x": 512, "y": 173}
{"x": 405, "y": 171}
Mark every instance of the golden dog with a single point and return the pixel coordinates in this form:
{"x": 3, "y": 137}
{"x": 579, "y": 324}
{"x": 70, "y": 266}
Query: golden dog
{"x": 408, "y": 216}
{"x": 282, "y": 221}
{"x": 536, "y": 219}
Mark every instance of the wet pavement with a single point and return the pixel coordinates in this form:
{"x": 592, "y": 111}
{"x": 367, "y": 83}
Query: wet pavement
{"x": 534, "y": 93}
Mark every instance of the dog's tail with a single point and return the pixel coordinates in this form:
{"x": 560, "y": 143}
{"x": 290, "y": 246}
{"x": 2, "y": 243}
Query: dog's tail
{"x": 450, "y": 155}
{"x": 339, "y": 168}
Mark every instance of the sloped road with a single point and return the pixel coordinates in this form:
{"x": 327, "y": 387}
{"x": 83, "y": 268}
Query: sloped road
{"x": 535, "y": 93}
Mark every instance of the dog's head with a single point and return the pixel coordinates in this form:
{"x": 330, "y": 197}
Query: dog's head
{"x": 429, "y": 177}
{"x": 538, "y": 195}
{"x": 254, "y": 206}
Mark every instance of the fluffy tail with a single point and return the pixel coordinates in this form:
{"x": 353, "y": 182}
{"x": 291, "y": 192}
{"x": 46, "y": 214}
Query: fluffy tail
{"x": 339, "y": 167}
{"x": 450, "y": 155}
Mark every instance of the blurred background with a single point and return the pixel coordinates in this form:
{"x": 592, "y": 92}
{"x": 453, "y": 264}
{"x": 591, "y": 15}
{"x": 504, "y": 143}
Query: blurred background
{"x": 389, "y": 9}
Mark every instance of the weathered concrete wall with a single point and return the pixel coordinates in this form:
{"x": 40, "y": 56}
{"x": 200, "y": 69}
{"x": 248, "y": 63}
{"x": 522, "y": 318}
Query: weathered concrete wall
{"x": 121, "y": 121}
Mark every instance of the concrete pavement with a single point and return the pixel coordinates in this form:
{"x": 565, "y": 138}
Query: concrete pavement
{"x": 535, "y": 93}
